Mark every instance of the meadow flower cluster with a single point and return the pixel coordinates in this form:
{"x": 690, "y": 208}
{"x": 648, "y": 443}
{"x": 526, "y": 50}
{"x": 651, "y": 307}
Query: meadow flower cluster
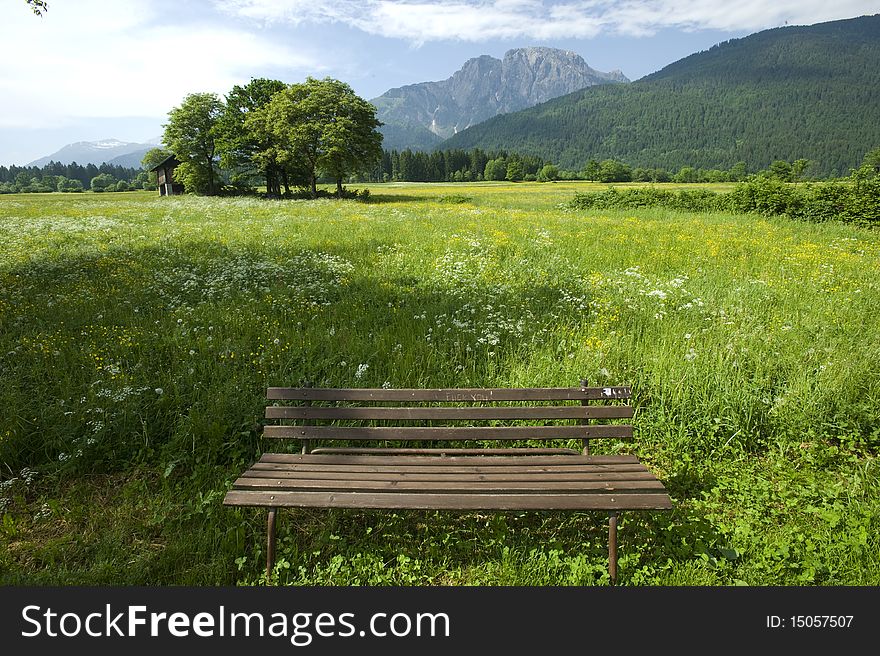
{"x": 308, "y": 277}
{"x": 652, "y": 295}
{"x": 495, "y": 299}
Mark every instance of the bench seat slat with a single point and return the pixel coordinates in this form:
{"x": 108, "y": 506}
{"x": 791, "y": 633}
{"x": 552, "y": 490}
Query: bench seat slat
{"x": 467, "y": 485}
{"x": 460, "y": 433}
{"x": 447, "y": 413}
{"x": 450, "y": 501}
{"x": 457, "y": 395}
{"x": 522, "y": 469}
{"x": 451, "y": 476}
{"x": 430, "y": 461}
{"x": 530, "y": 451}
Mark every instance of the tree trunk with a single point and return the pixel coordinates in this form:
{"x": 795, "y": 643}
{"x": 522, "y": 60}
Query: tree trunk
{"x": 211, "y": 187}
{"x": 271, "y": 182}
{"x": 313, "y": 179}
{"x": 339, "y": 187}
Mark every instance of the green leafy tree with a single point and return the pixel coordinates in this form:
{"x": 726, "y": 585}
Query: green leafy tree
{"x": 146, "y": 180}
{"x": 799, "y": 168}
{"x": 871, "y": 162}
{"x": 640, "y": 174}
{"x": 591, "y": 170}
{"x": 247, "y": 148}
{"x": 611, "y": 170}
{"x": 22, "y": 180}
{"x": 154, "y": 156}
{"x": 781, "y": 170}
{"x": 737, "y": 172}
{"x": 495, "y": 169}
{"x": 686, "y": 174}
{"x": 103, "y": 182}
{"x": 323, "y": 126}
{"x": 69, "y": 186}
{"x": 549, "y": 173}
{"x": 191, "y": 134}
{"x": 353, "y": 143}
{"x": 515, "y": 172}
{"x": 150, "y": 159}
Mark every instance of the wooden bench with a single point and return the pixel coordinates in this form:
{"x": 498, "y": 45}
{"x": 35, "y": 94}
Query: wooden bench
{"x": 455, "y": 471}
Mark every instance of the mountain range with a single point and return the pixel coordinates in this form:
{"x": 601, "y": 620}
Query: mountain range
{"x": 798, "y": 92}
{"x": 421, "y": 115}
{"x": 112, "y": 151}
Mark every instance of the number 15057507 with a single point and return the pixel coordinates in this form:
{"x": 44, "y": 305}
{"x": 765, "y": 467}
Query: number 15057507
{"x": 810, "y": 622}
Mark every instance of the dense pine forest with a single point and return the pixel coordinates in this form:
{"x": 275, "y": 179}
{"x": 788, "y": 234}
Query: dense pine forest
{"x": 783, "y": 94}
{"x": 74, "y": 177}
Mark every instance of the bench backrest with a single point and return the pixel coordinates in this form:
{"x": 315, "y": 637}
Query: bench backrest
{"x": 449, "y": 415}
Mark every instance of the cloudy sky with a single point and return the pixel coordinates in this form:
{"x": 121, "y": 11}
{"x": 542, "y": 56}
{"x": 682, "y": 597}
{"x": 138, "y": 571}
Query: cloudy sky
{"x": 93, "y": 69}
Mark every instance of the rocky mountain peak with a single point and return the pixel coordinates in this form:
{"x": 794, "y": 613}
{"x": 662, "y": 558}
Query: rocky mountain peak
{"x": 482, "y": 88}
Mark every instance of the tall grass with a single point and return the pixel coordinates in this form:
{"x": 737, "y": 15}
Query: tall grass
{"x": 138, "y": 335}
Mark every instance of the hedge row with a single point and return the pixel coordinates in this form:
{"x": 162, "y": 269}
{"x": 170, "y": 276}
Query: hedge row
{"x": 856, "y": 200}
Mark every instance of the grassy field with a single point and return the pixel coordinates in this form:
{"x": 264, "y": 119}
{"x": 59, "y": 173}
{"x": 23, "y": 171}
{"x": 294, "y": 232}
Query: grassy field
{"x": 138, "y": 335}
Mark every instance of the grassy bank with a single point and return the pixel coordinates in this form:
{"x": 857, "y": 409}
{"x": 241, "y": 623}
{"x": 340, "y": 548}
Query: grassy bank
{"x": 138, "y": 335}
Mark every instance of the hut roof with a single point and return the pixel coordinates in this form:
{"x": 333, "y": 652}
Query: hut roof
{"x": 171, "y": 160}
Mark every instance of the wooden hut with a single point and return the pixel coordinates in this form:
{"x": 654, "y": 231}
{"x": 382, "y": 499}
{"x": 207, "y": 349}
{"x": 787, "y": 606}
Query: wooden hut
{"x": 165, "y": 176}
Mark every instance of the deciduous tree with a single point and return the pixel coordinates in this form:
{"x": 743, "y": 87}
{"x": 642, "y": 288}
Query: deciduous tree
{"x": 324, "y": 126}
{"x": 247, "y": 148}
{"x": 191, "y": 134}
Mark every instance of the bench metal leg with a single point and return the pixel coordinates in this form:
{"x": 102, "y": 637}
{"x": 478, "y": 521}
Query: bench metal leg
{"x": 612, "y": 547}
{"x": 270, "y": 547}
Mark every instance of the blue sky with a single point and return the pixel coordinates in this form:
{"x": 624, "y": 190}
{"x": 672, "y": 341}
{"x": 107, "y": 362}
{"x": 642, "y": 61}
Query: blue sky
{"x": 93, "y": 69}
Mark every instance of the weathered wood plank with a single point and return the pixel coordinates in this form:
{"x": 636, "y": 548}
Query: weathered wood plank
{"x": 468, "y": 461}
{"x": 391, "y": 475}
{"x": 355, "y": 471}
{"x": 458, "y": 433}
{"x": 447, "y": 451}
{"x": 470, "y": 501}
{"x": 464, "y": 486}
{"x": 451, "y": 413}
{"x": 453, "y": 395}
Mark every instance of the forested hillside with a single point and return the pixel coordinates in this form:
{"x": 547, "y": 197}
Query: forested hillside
{"x": 788, "y": 93}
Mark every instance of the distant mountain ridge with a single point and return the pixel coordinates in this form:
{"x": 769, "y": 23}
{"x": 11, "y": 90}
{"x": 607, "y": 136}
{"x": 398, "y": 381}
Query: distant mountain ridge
{"x": 795, "y": 92}
{"x": 421, "y": 115}
{"x": 110, "y": 151}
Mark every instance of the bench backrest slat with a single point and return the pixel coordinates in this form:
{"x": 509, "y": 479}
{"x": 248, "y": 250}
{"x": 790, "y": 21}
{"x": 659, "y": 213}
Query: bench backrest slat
{"x": 620, "y": 431}
{"x": 451, "y": 413}
{"x": 315, "y": 414}
{"x": 457, "y": 395}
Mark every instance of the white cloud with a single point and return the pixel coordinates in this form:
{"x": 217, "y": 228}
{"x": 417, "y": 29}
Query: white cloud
{"x": 83, "y": 60}
{"x": 480, "y": 20}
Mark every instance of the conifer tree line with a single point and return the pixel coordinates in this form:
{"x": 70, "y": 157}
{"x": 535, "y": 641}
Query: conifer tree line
{"x": 460, "y": 166}
{"x": 73, "y": 177}
{"x": 476, "y": 165}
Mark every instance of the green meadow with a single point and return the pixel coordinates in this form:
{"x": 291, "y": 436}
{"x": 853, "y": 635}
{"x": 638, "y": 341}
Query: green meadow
{"x": 138, "y": 335}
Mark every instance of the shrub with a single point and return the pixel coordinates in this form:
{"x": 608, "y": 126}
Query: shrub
{"x": 697, "y": 200}
{"x": 855, "y": 201}
{"x": 455, "y": 199}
